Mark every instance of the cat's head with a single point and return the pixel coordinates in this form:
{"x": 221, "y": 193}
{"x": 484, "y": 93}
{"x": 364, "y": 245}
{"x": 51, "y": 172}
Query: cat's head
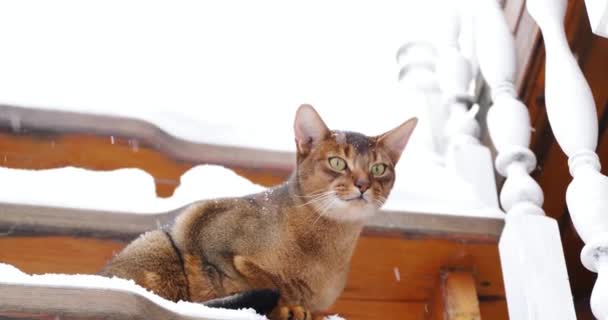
{"x": 346, "y": 175}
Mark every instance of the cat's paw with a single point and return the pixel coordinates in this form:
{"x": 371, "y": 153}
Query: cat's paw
{"x": 290, "y": 312}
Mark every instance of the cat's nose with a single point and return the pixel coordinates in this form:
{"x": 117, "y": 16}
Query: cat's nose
{"x": 362, "y": 185}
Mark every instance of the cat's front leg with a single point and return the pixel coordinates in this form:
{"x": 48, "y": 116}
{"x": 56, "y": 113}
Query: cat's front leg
{"x": 289, "y": 306}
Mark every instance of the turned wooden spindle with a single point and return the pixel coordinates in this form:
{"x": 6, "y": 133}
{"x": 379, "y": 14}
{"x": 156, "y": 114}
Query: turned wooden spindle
{"x": 573, "y": 118}
{"x": 462, "y": 150}
{"x": 534, "y": 269}
{"x": 417, "y": 60}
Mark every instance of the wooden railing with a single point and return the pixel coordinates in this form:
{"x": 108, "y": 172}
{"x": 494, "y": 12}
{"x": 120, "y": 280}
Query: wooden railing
{"x": 534, "y": 268}
{"x": 572, "y": 113}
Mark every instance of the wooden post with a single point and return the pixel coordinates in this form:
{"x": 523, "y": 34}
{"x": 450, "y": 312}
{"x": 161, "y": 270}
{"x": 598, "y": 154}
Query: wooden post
{"x": 533, "y": 264}
{"x": 456, "y": 297}
{"x": 573, "y": 118}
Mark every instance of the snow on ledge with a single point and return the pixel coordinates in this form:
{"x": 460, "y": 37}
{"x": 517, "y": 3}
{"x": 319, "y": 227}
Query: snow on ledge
{"x": 132, "y": 190}
{"x": 124, "y": 190}
{"x": 9, "y": 275}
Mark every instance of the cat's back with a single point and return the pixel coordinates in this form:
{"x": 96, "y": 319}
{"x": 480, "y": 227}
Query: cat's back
{"x": 216, "y": 221}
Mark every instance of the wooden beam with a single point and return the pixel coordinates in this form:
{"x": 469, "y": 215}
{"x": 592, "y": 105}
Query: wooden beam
{"x": 456, "y": 297}
{"x": 42, "y": 139}
{"x": 27, "y": 220}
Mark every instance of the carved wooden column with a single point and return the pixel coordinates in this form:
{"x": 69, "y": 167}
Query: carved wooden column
{"x": 417, "y": 60}
{"x": 533, "y": 265}
{"x": 463, "y": 151}
{"x": 572, "y": 114}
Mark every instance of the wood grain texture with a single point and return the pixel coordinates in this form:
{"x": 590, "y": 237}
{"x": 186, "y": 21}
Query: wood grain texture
{"x": 58, "y": 254}
{"x": 75, "y": 303}
{"x": 460, "y": 296}
{"x": 494, "y": 309}
{"x": 17, "y": 219}
{"x": 44, "y": 139}
{"x": 397, "y": 260}
{"x": 388, "y": 310}
{"x": 455, "y": 297}
{"x": 375, "y": 265}
{"x": 45, "y": 151}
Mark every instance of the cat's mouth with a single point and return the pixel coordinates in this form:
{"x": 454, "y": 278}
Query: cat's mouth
{"x": 356, "y": 199}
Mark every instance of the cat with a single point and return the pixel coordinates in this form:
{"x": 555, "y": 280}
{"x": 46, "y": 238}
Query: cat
{"x": 295, "y": 239}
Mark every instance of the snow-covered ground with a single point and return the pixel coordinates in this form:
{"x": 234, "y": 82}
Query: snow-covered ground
{"x": 11, "y": 275}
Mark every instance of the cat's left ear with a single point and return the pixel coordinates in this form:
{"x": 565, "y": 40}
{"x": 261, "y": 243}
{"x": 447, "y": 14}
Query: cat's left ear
{"x": 309, "y": 128}
{"x": 396, "y": 140}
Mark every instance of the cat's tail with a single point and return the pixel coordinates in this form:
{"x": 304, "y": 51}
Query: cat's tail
{"x": 263, "y": 301}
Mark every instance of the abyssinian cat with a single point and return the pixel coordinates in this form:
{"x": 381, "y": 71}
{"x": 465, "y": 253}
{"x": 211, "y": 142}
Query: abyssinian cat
{"x": 296, "y": 238}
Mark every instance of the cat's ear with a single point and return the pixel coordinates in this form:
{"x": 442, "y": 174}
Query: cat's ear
{"x": 309, "y": 128}
{"x": 395, "y": 140}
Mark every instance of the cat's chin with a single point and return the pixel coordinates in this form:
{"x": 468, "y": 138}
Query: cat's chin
{"x": 348, "y": 211}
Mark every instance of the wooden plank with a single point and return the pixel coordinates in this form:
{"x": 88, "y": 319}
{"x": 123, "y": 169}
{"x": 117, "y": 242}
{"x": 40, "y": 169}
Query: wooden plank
{"x": 438, "y": 303}
{"x": 494, "y": 309}
{"x": 387, "y": 269}
{"x": 460, "y": 296}
{"x": 44, "y": 151}
{"x": 527, "y": 38}
{"x": 58, "y": 254}
{"x": 18, "y": 219}
{"x": 456, "y": 297}
{"x": 42, "y": 139}
{"x": 392, "y": 268}
{"x": 387, "y": 310}
{"x": 140, "y": 133}
{"x": 91, "y": 303}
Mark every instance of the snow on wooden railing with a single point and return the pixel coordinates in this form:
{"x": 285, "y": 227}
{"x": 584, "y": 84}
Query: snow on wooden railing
{"x": 533, "y": 264}
{"x": 572, "y": 115}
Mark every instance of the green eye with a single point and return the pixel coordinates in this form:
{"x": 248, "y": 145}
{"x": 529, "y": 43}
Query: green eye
{"x": 378, "y": 169}
{"x": 337, "y": 163}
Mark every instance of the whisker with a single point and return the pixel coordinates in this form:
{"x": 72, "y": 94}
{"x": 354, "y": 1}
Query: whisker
{"x": 317, "y": 198}
{"x": 313, "y": 193}
{"x": 326, "y": 205}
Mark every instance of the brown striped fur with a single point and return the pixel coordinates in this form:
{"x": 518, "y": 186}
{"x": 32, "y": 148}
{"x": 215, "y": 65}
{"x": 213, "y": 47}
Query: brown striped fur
{"x": 297, "y": 237}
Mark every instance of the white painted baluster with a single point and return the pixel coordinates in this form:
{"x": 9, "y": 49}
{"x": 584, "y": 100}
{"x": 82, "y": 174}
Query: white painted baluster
{"x": 417, "y": 61}
{"x": 464, "y": 154}
{"x": 572, "y": 114}
{"x": 533, "y": 265}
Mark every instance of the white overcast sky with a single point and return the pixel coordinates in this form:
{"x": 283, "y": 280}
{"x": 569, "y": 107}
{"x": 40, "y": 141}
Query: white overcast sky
{"x": 204, "y": 70}
{"x": 232, "y": 72}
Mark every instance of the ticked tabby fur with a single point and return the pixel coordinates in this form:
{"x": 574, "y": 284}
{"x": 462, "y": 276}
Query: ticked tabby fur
{"x": 296, "y": 238}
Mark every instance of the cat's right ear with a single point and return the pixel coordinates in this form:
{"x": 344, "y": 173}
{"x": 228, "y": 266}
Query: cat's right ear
{"x": 309, "y": 128}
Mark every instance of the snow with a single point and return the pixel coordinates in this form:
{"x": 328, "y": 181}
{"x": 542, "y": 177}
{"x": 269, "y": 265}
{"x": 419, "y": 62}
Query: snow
{"x": 132, "y": 190}
{"x": 205, "y": 72}
{"x": 126, "y": 190}
{"x": 11, "y": 275}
